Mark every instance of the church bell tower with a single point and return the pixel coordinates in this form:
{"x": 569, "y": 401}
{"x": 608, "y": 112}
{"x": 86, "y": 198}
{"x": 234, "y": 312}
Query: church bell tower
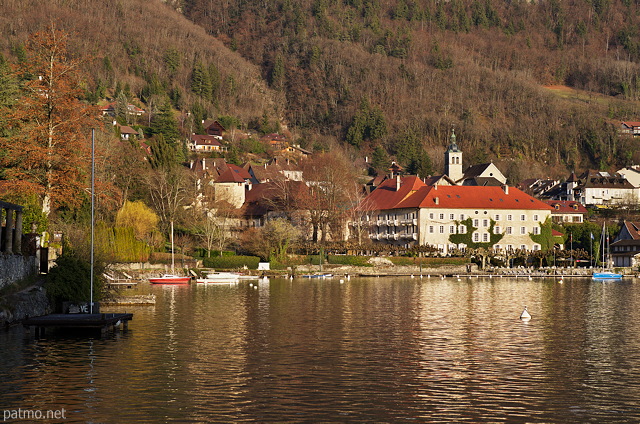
{"x": 453, "y": 159}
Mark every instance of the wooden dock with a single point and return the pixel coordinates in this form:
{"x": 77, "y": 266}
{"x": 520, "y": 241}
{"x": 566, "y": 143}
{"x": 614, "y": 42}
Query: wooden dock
{"x": 99, "y": 322}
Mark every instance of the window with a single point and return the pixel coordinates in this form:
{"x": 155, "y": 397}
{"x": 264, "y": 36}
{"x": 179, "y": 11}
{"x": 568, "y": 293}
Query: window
{"x": 497, "y": 217}
{"x": 475, "y": 223}
{"x": 476, "y": 237}
{"x": 523, "y": 247}
{"x": 452, "y": 229}
{"x": 441, "y": 216}
{"x": 462, "y": 229}
{"x": 523, "y": 230}
{"x": 496, "y": 230}
{"x": 536, "y": 230}
{"x": 452, "y": 216}
{"x": 523, "y": 217}
{"x": 536, "y": 247}
{"x": 509, "y": 217}
{"x": 462, "y": 217}
{"x": 431, "y": 216}
{"x": 535, "y": 218}
{"x": 431, "y": 229}
{"x": 485, "y": 237}
{"x": 442, "y": 229}
{"x": 509, "y": 230}
{"x": 485, "y": 222}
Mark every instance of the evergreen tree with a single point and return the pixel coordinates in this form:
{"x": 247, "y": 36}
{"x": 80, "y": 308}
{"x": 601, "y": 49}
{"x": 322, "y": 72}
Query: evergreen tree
{"x": 165, "y": 123}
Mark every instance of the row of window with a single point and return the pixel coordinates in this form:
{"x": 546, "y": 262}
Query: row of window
{"x": 485, "y": 222}
{"x": 462, "y": 229}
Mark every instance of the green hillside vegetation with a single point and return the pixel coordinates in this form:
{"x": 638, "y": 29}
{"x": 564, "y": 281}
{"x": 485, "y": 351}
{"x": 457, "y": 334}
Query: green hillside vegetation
{"x": 420, "y": 66}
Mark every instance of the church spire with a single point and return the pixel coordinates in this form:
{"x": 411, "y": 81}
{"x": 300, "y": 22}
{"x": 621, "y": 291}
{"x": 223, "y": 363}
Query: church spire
{"x": 453, "y": 147}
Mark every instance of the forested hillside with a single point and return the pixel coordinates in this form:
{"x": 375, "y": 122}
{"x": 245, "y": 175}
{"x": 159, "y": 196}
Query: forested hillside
{"x": 146, "y": 50}
{"x": 384, "y": 77}
{"x": 425, "y": 65}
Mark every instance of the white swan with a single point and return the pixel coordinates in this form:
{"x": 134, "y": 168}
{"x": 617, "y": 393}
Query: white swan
{"x": 525, "y": 315}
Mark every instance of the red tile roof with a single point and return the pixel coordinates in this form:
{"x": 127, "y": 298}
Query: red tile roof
{"x": 414, "y": 193}
{"x": 229, "y": 176}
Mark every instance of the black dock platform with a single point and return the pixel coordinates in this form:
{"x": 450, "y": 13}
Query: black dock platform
{"x": 101, "y": 322}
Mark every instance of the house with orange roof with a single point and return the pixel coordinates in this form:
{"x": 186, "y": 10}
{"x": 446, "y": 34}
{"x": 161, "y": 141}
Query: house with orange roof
{"x": 630, "y": 127}
{"x": 406, "y": 211}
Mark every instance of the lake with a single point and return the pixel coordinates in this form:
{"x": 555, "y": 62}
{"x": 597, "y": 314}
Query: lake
{"x": 367, "y": 350}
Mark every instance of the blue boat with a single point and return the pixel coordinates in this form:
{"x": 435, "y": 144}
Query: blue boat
{"x": 603, "y": 275}
{"x": 606, "y": 276}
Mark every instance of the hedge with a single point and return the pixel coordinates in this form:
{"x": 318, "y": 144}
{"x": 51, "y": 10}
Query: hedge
{"x": 428, "y": 262}
{"x": 349, "y": 260}
{"x": 231, "y": 262}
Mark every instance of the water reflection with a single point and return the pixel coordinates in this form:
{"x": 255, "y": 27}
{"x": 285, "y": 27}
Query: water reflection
{"x": 369, "y": 350}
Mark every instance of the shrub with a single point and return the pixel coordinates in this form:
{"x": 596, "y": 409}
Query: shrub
{"x": 70, "y": 280}
{"x": 428, "y": 262}
{"x": 231, "y": 262}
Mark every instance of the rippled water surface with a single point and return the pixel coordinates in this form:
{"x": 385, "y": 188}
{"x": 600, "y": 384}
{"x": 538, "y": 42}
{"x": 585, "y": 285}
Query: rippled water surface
{"x": 368, "y": 350}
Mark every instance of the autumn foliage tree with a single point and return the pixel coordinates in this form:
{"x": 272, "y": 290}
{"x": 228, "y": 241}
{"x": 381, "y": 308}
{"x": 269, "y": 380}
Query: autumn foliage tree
{"x": 45, "y": 149}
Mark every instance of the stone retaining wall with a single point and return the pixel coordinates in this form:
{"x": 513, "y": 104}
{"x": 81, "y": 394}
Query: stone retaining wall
{"x": 16, "y": 267}
{"x": 32, "y": 302}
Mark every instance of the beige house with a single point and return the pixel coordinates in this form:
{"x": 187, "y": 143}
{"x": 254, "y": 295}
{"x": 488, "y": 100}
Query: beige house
{"x": 405, "y": 211}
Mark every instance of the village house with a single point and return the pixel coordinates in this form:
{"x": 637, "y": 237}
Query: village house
{"x": 127, "y": 133}
{"x": 213, "y": 128}
{"x": 567, "y": 211}
{"x": 205, "y": 144}
{"x": 111, "y": 110}
{"x": 625, "y": 249}
{"x": 630, "y": 127}
{"x": 632, "y": 174}
{"x": 601, "y": 188}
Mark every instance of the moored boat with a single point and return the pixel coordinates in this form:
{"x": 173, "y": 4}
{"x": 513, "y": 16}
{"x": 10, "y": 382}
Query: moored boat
{"x": 219, "y": 278}
{"x": 606, "y": 276}
{"x": 170, "y": 279}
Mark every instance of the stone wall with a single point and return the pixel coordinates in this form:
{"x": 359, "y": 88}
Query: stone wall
{"x": 32, "y": 302}
{"x": 16, "y": 267}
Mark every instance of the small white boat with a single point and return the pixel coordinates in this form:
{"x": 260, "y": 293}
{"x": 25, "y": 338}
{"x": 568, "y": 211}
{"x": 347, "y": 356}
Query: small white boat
{"x": 220, "y": 278}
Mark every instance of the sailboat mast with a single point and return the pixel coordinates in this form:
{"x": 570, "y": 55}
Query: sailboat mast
{"x": 172, "y": 257}
{"x": 93, "y": 173}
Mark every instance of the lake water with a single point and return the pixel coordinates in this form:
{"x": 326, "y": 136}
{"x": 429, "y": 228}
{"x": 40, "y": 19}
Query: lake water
{"x": 369, "y": 350}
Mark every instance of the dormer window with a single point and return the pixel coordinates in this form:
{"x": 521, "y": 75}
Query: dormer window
{"x": 557, "y": 207}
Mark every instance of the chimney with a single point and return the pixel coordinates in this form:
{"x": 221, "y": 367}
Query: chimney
{"x": 398, "y": 182}
{"x": 436, "y": 200}
{"x": 506, "y": 189}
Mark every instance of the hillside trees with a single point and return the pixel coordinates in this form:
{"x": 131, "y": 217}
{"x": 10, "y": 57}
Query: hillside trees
{"x": 46, "y": 148}
{"x": 330, "y": 176}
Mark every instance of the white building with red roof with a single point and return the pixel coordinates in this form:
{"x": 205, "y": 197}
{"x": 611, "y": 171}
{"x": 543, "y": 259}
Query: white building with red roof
{"x": 405, "y": 211}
